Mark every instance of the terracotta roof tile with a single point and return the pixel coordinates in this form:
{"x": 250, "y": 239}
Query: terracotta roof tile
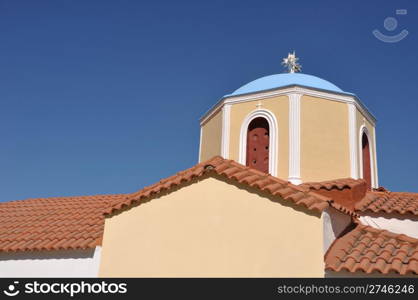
{"x": 344, "y": 192}
{"x": 339, "y": 184}
{"x": 351, "y": 195}
{"x": 77, "y": 222}
{"x": 389, "y": 202}
{"x": 344, "y": 209}
{"x": 53, "y": 223}
{"x": 369, "y": 250}
{"x": 234, "y": 171}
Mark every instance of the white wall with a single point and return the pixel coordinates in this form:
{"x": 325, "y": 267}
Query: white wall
{"x": 393, "y": 222}
{"x": 334, "y": 222}
{"x": 62, "y": 263}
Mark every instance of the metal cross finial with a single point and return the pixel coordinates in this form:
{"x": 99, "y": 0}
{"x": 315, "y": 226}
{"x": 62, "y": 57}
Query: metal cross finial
{"x": 291, "y": 63}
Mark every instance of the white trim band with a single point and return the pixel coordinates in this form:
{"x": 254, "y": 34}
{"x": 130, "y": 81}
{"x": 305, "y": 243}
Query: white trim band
{"x": 288, "y": 90}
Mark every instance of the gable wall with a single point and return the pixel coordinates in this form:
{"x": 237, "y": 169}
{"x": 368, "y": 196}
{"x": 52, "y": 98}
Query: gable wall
{"x": 211, "y": 228}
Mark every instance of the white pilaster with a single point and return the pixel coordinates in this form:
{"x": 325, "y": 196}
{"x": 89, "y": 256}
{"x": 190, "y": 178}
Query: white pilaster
{"x": 352, "y": 120}
{"x": 376, "y": 173}
{"x": 200, "y": 143}
{"x": 226, "y": 121}
{"x": 294, "y": 138}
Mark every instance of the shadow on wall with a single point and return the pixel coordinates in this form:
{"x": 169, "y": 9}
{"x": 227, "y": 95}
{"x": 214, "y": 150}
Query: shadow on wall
{"x": 393, "y": 222}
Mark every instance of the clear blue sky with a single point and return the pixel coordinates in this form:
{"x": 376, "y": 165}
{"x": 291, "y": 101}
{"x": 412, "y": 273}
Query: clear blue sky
{"x": 105, "y": 96}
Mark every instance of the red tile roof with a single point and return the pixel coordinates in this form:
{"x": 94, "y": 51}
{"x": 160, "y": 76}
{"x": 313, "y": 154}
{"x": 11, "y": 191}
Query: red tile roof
{"x": 389, "y": 202}
{"x": 53, "y": 223}
{"x": 366, "y": 249}
{"x": 344, "y": 209}
{"x": 237, "y": 172}
{"x": 344, "y": 192}
{"x": 78, "y": 222}
{"x": 338, "y": 184}
{"x": 352, "y": 195}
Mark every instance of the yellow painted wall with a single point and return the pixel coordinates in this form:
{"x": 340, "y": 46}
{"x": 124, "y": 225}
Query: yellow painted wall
{"x": 211, "y": 228}
{"x": 360, "y": 121}
{"x": 279, "y": 106}
{"x": 211, "y": 137}
{"x": 324, "y": 139}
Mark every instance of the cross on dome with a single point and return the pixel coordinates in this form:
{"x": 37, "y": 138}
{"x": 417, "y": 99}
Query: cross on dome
{"x": 291, "y": 63}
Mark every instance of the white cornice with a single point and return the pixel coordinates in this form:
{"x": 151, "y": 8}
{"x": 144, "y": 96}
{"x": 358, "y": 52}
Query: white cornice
{"x": 346, "y": 98}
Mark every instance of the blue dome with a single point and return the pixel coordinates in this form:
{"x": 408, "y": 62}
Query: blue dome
{"x": 286, "y": 79}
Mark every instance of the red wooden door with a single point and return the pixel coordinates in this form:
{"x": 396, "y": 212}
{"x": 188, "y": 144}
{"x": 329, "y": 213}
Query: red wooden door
{"x": 366, "y": 161}
{"x": 258, "y": 139}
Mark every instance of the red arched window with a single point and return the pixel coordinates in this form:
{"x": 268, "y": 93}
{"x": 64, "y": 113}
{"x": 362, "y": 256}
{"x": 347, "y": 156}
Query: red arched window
{"x": 366, "y": 160}
{"x": 258, "y": 139}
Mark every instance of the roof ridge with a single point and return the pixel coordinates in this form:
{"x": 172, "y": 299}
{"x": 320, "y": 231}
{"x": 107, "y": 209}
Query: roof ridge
{"x": 64, "y": 198}
{"x": 229, "y": 169}
{"x": 339, "y": 183}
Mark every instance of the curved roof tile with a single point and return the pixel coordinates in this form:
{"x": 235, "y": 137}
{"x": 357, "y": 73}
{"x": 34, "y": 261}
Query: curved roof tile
{"x": 55, "y": 223}
{"x": 369, "y": 250}
{"x": 389, "y": 202}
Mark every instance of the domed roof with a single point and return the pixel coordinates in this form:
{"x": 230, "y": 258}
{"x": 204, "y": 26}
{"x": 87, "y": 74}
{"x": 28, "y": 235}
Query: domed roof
{"x": 286, "y": 79}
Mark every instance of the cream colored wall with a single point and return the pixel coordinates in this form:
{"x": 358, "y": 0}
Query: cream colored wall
{"x": 211, "y": 137}
{"x": 360, "y": 121}
{"x": 324, "y": 139}
{"x": 212, "y": 229}
{"x": 279, "y": 106}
